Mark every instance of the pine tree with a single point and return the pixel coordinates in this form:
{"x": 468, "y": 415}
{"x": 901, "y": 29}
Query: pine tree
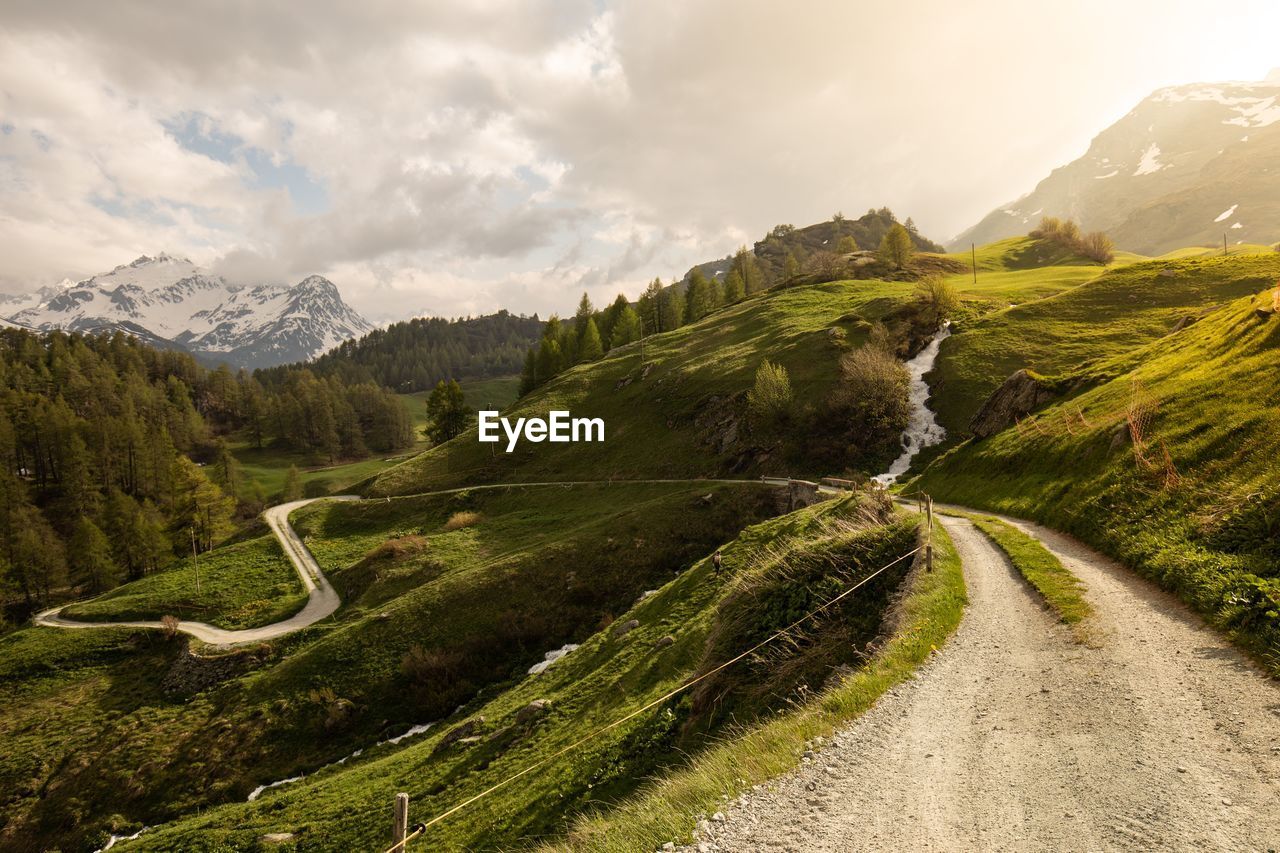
{"x": 753, "y": 279}
{"x": 200, "y": 508}
{"x": 292, "y": 485}
{"x": 448, "y": 411}
{"x": 650, "y": 308}
{"x": 671, "y": 311}
{"x": 226, "y": 468}
{"x": 896, "y": 247}
{"x": 734, "y": 290}
{"x": 90, "y": 558}
{"x": 627, "y": 329}
{"x": 697, "y": 296}
{"x": 590, "y": 347}
{"x": 529, "y": 373}
{"x": 581, "y": 317}
{"x": 790, "y": 267}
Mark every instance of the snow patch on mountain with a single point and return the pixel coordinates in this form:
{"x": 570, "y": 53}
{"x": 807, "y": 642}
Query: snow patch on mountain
{"x": 1150, "y": 162}
{"x": 1226, "y": 214}
{"x": 170, "y": 301}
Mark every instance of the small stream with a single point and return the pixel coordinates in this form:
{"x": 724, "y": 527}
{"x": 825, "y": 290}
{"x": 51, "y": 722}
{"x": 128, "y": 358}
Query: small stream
{"x": 923, "y": 430}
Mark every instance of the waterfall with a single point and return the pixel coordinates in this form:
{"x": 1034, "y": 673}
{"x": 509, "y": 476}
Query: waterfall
{"x": 923, "y": 430}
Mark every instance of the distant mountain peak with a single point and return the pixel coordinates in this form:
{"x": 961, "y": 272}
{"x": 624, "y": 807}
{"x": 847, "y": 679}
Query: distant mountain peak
{"x": 169, "y": 301}
{"x": 1161, "y": 177}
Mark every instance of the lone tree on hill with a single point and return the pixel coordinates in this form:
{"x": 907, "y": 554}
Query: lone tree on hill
{"x": 447, "y": 410}
{"x": 896, "y": 247}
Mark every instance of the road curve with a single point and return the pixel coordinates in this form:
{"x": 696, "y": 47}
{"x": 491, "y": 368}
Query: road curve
{"x": 1014, "y": 737}
{"x": 322, "y": 600}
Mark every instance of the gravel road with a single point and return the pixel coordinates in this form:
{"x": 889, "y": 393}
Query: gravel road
{"x": 1014, "y": 737}
{"x": 321, "y": 598}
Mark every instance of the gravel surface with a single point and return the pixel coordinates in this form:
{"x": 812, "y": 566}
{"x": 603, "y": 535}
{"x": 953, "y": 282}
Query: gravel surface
{"x": 1015, "y": 737}
{"x": 321, "y": 598}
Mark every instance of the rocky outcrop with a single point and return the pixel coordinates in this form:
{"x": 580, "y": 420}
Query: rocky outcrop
{"x": 1021, "y": 394}
{"x": 192, "y": 673}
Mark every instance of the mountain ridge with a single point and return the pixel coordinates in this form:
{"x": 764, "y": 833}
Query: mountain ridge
{"x": 1185, "y": 166}
{"x": 171, "y": 302}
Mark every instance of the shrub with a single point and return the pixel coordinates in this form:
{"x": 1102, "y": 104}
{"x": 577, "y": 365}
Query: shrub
{"x": 769, "y": 401}
{"x": 459, "y": 520}
{"x": 935, "y": 300}
{"x": 1096, "y": 246}
{"x": 169, "y": 624}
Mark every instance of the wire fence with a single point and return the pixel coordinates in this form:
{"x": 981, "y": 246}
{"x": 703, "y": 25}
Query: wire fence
{"x": 420, "y": 828}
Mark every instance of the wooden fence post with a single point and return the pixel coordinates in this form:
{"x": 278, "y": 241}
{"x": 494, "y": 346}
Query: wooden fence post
{"x": 400, "y": 828}
{"x": 928, "y": 506}
{"x": 928, "y": 557}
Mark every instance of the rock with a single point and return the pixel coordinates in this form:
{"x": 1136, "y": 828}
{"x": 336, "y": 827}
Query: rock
{"x": 1119, "y": 437}
{"x": 718, "y": 817}
{"x": 665, "y": 641}
{"x": 495, "y": 735}
{"x": 1021, "y": 394}
{"x": 536, "y": 708}
{"x": 276, "y": 837}
{"x": 670, "y": 845}
{"x": 462, "y": 731}
{"x": 1167, "y": 272}
{"x": 625, "y": 627}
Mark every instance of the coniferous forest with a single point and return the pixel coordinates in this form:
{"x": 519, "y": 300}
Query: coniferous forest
{"x": 114, "y": 457}
{"x": 416, "y": 354}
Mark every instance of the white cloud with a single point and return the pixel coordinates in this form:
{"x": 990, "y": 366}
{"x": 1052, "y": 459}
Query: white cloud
{"x": 459, "y": 157}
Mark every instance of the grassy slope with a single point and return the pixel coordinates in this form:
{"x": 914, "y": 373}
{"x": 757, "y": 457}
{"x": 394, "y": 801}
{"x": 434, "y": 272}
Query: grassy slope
{"x": 243, "y": 585}
{"x": 1060, "y": 589}
{"x": 93, "y": 734}
{"x": 607, "y": 677}
{"x": 1207, "y": 525}
{"x": 667, "y": 809}
{"x": 650, "y": 429}
{"x": 1118, "y": 311}
{"x": 268, "y": 466}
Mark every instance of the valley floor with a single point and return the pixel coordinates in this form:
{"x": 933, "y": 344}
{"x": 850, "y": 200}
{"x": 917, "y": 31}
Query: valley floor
{"x": 1017, "y": 737}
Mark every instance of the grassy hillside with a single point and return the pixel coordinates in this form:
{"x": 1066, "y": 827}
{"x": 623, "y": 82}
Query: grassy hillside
{"x": 445, "y": 597}
{"x": 1167, "y": 458}
{"x": 243, "y": 585}
{"x": 1119, "y": 310}
{"x": 674, "y": 407}
{"x": 678, "y": 631}
{"x": 268, "y": 466}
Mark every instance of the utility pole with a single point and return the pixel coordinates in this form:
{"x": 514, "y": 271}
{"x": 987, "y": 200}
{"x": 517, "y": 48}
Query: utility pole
{"x": 195, "y": 558}
{"x": 973, "y": 255}
{"x": 1224, "y": 244}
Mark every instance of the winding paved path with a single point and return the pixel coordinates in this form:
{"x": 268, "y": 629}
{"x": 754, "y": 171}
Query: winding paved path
{"x": 322, "y": 600}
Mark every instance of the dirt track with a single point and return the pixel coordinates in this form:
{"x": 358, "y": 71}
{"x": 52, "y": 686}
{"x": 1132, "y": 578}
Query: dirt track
{"x": 1014, "y": 737}
{"x": 321, "y": 598}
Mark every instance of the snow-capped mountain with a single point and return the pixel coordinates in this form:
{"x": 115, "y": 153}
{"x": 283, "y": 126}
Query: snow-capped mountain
{"x": 171, "y": 302}
{"x": 1185, "y": 166}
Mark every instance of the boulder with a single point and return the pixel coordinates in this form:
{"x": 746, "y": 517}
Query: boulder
{"x": 462, "y": 732}
{"x": 665, "y": 641}
{"x": 1021, "y": 394}
{"x": 536, "y": 708}
{"x": 629, "y": 625}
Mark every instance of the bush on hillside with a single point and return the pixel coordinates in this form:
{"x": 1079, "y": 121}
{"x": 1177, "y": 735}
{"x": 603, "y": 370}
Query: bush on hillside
{"x": 936, "y": 300}
{"x": 1096, "y": 246}
{"x": 769, "y": 402}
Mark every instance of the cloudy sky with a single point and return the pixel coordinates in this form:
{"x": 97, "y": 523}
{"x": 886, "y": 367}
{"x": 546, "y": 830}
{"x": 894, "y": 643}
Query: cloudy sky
{"x": 456, "y": 157}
